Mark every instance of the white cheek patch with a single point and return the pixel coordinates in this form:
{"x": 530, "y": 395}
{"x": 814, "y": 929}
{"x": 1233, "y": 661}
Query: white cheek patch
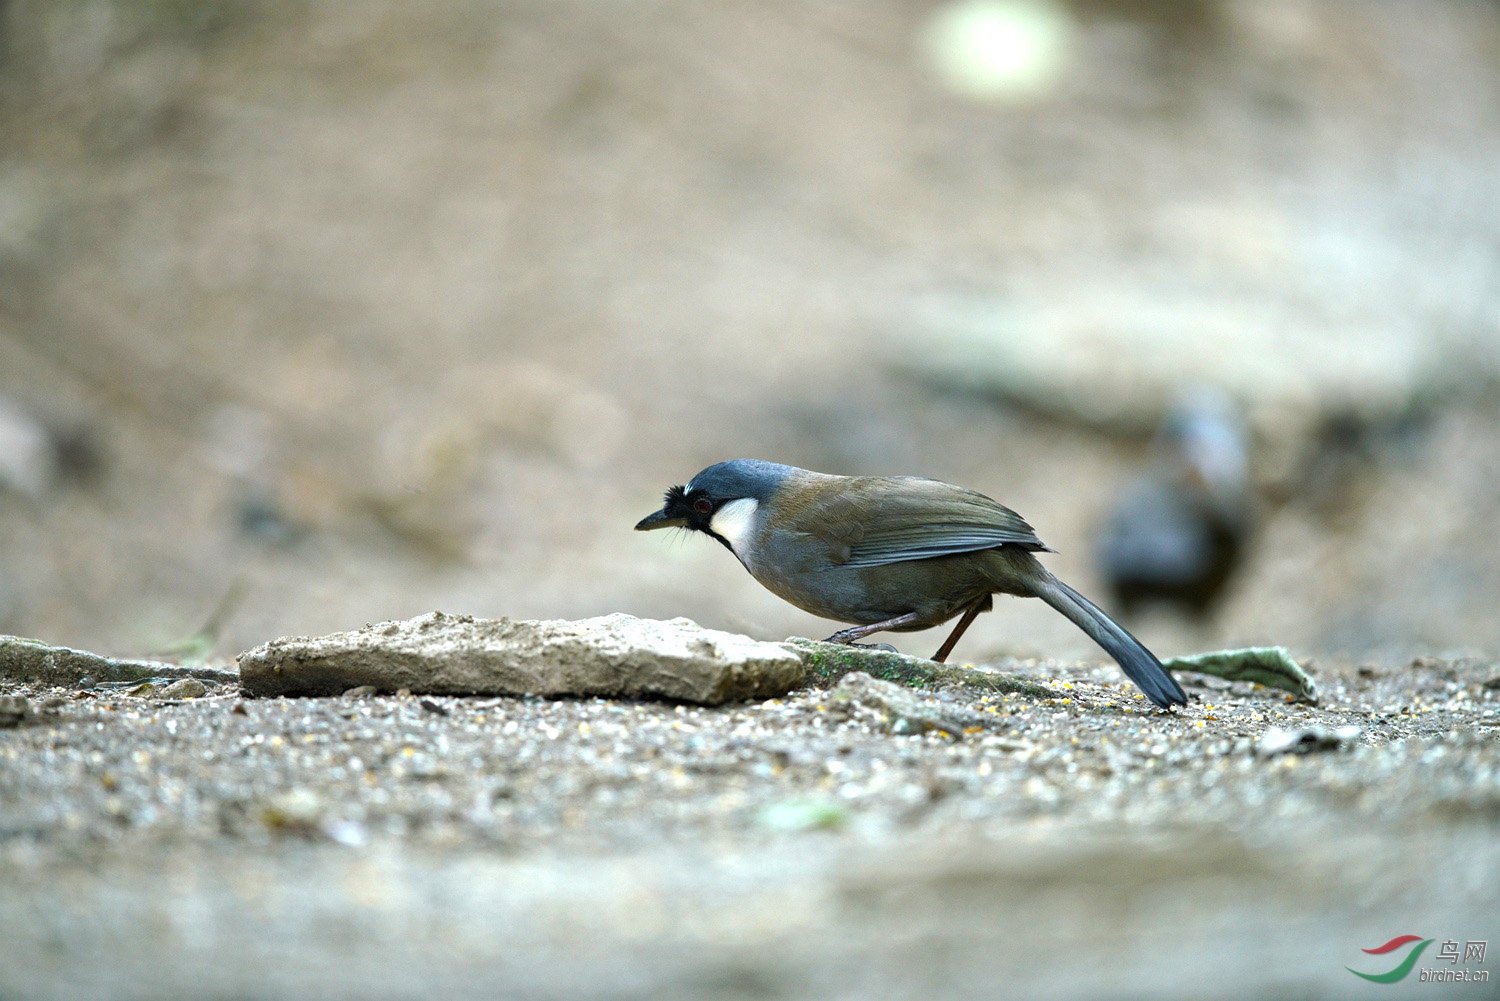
{"x": 735, "y": 521}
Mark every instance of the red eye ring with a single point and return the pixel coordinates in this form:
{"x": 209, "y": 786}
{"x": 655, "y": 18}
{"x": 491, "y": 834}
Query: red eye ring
{"x": 703, "y": 505}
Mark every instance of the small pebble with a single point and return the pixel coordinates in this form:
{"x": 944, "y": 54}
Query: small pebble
{"x": 297, "y": 810}
{"x": 13, "y": 710}
{"x": 1305, "y": 740}
{"x": 803, "y": 815}
{"x": 350, "y": 833}
{"x": 186, "y": 688}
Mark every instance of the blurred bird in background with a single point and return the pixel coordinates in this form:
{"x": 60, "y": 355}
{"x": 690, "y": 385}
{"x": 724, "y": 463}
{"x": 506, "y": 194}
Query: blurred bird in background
{"x": 1177, "y": 533}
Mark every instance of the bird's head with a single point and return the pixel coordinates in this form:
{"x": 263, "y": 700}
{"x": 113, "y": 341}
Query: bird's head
{"x": 722, "y": 501}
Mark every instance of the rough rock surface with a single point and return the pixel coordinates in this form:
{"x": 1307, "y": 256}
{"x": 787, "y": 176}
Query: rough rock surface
{"x": 615, "y": 656}
{"x": 31, "y": 661}
{"x": 828, "y": 663}
{"x": 905, "y": 711}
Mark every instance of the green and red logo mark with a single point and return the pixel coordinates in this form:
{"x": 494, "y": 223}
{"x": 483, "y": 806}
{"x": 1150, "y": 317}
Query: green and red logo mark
{"x": 1402, "y": 968}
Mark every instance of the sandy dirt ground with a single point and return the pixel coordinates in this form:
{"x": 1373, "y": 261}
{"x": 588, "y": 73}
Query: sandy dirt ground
{"x": 1079, "y": 845}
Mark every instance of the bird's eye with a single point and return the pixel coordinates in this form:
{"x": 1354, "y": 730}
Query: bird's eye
{"x": 703, "y": 505}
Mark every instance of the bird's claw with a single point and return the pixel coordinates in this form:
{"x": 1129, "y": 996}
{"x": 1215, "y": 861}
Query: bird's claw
{"x": 884, "y": 647}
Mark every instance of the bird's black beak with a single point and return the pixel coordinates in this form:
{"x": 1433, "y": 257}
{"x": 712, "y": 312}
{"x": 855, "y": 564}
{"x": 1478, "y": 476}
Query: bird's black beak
{"x": 661, "y": 519}
{"x": 674, "y": 513}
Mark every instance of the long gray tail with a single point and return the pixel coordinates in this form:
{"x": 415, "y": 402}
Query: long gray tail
{"x": 1137, "y": 662}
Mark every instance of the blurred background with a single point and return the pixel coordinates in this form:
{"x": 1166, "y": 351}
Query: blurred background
{"x": 321, "y": 312}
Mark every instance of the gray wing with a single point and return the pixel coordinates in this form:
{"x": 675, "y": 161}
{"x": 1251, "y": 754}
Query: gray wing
{"x": 909, "y": 518}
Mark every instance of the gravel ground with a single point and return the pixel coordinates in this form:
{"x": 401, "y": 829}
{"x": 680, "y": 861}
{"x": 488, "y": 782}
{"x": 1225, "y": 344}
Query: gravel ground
{"x": 799, "y": 847}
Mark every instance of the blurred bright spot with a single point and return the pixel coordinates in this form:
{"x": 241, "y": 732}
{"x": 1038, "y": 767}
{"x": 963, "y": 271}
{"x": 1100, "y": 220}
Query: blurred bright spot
{"x": 990, "y": 50}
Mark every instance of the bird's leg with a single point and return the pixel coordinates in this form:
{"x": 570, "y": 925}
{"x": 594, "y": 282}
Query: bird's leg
{"x": 970, "y": 614}
{"x": 848, "y": 636}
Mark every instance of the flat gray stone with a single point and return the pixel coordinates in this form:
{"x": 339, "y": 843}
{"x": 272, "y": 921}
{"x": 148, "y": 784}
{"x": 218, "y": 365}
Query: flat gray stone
{"x": 827, "y": 663}
{"x": 613, "y": 656}
{"x": 34, "y": 662}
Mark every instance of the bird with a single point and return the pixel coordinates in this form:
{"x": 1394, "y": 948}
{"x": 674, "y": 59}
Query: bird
{"x": 898, "y": 553}
{"x": 1177, "y": 533}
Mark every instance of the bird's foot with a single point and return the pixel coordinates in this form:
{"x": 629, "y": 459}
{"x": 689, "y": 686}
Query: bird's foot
{"x": 847, "y": 637}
